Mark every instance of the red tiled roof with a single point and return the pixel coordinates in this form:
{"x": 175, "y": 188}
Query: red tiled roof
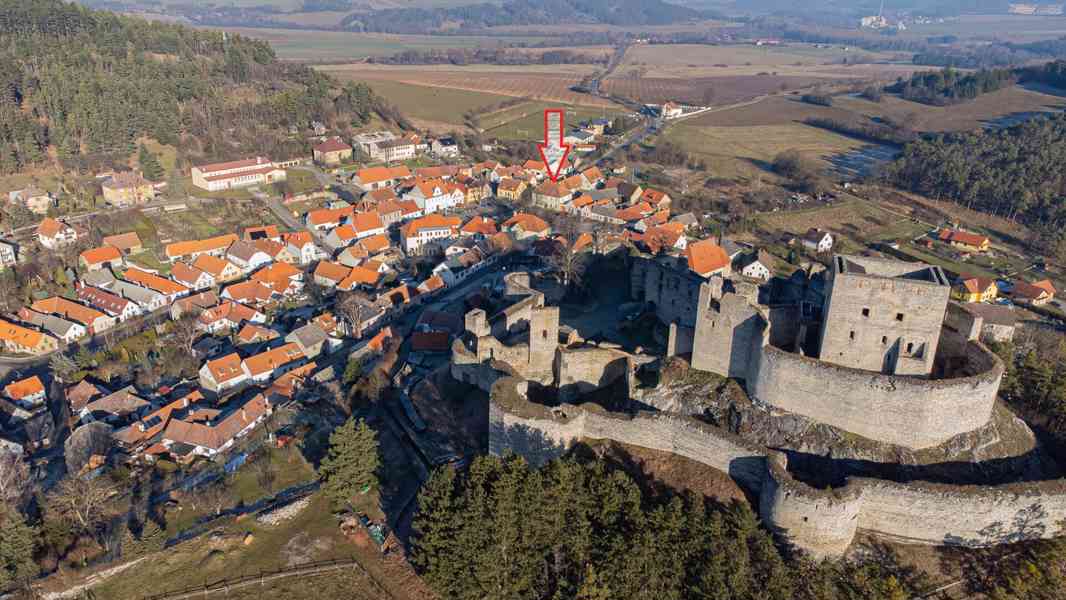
{"x": 706, "y": 257}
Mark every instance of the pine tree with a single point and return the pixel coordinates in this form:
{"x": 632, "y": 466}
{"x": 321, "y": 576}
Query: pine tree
{"x": 592, "y": 587}
{"x": 17, "y": 544}
{"x": 352, "y": 462}
{"x": 175, "y": 189}
{"x": 438, "y": 529}
{"x": 150, "y": 167}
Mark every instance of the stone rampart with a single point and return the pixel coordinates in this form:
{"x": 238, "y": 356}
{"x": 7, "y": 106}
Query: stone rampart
{"x": 907, "y": 411}
{"x": 821, "y": 522}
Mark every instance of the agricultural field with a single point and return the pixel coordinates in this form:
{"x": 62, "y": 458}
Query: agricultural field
{"x": 705, "y": 91}
{"x": 435, "y": 108}
{"x": 550, "y": 82}
{"x": 526, "y": 121}
{"x": 334, "y": 46}
{"x": 677, "y": 59}
{"x": 857, "y": 219}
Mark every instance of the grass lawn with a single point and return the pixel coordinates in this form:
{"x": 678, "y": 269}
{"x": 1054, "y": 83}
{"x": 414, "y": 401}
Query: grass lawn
{"x": 149, "y": 261}
{"x": 167, "y": 155}
{"x": 301, "y": 180}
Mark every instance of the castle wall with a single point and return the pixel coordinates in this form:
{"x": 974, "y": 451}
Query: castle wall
{"x": 583, "y": 370}
{"x": 673, "y": 291}
{"x": 821, "y": 522}
{"x": 908, "y": 411}
{"x": 729, "y": 333}
{"x": 680, "y": 340}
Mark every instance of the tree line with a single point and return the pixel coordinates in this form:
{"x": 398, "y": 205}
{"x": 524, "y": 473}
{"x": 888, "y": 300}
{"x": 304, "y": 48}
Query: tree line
{"x": 949, "y": 86}
{"x": 87, "y": 84}
{"x": 583, "y": 530}
{"x": 1016, "y": 172}
{"x": 492, "y": 56}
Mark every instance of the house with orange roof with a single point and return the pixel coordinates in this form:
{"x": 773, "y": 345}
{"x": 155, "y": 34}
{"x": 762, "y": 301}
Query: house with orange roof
{"x": 974, "y": 289}
{"x": 380, "y": 341}
{"x": 360, "y": 277}
{"x": 253, "y": 333}
{"x": 114, "y": 305}
{"x": 706, "y": 258}
{"x": 635, "y": 213}
{"x": 436, "y": 195}
{"x": 134, "y": 438}
{"x": 373, "y": 178}
{"x": 220, "y": 269}
{"x": 390, "y": 211}
{"x": 594, "y": 176}
{"x": 193, "y": 438}
{"x": 283, "y": 278}
{"x": 511, "y": 189}
{"x": 576, "y": 183}
{"x": 103, "y": 257}
{"x": 262, "y": 232}
{"x": 431, "y": 286}
{"x": 323, "y": 219}
{"x": 329, "y": 274}
{"x": 52, "y": 233}
{"x": 215, "y": 246}
{"x": 1037, "y": 293}
{"x": 28, "y": 393}
{"x": 658, "y": 200}
{"x": 251, "y": 292}
{"x": 93, "y": 320}
{"x": 374, "y": 244}
{"x": 552, "y": 195}
{"x": 660, "y": 239}
{"x": 171, "y": 289}
{"x": 482, "y": 226}
{"x": 964, "y": 240}
{"x": 19, "y": 339}
{"x": 302, "y": 245}
{"x": 427, "y": 234}
{"x": 361, "y": 225}
{"x": 398, "y": 297}
{"x": 277, "y": 251}
{"x": 536, "y": 167}
{"x": 228, "y": 316}
{"x": 524, "y": 226}
{"x": 65, "y": 331}
{"x": 222, "y": 373}
{"x": 274, "y": 362}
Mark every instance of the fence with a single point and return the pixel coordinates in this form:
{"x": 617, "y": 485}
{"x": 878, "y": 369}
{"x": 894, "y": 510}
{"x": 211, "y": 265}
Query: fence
{"x": 264, "y": 577}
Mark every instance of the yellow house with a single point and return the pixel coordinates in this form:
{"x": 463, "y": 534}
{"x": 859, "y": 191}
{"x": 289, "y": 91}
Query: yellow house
{"x": 975, "y": 289}
{"x": 127, "y": 189}
{"x": 511, "y": 189}
{"x": 331, "y": 152}
{"x": 971, "y": 242}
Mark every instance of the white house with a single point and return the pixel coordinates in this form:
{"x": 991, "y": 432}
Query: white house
{"x": 817, "y": 240}
{"x": 236, "y": 174}
{"x": 444, "y": 147}
{"x": 247, "y": 256}
{"x": 223, "y": 373}
{"x": 147, "y": 299}
{"x": 756, "y": 266}
{"x": 436, "y": 195}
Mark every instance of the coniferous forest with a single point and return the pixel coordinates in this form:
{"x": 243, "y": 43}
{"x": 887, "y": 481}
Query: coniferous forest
{"x": 85, "y": 84}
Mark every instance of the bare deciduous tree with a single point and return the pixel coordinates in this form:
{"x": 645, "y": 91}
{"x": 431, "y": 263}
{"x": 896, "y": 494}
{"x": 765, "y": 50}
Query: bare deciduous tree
{"x": 14, "y": 477}
{"x": 82, "y": 502}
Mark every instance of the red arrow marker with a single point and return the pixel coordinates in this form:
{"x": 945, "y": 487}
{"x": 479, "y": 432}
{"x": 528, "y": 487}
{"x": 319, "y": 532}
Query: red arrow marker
{"x": 553, "y": 151}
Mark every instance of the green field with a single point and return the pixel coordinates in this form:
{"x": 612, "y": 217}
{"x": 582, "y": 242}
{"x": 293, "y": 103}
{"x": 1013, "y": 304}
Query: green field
{"x": 438, "y": 105}
{"x": 526, "y": 121}
{"x": 330, "y": 46}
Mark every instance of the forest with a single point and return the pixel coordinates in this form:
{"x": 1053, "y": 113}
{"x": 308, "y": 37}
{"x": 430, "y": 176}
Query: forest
{"x": 1017, "y": 172}
{"x": 584, "y": 529}
{"x": 949, "y": 86}
{"x": 87, "y": 84}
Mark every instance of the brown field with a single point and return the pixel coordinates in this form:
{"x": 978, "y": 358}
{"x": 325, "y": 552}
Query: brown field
{"x": 771, "y": 111}
{"x": 705, "y": 90}
{"x": 535, "y": 82}
{"x": 707, "y": 56}
{"x": 960, "y": 117}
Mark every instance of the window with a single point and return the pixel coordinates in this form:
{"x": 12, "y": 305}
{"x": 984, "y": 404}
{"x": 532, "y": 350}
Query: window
{"x": 899, "y": 317}
{"x": 851, "y": 335}
{"x": 910, "y": 347}
{"x": 544, "y": 334}
{"x": 884, "y": 340}
{"x": 865, "y": 312}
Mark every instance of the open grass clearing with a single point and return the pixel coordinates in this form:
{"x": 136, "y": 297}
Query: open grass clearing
{"x": 858, "y": 219}
{"x": 529, "y": 123}
{"x": 436, "y": 104}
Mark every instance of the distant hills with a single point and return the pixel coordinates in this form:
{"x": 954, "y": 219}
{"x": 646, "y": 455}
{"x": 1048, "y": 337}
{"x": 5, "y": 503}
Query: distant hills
{"x": 522, "y": 13}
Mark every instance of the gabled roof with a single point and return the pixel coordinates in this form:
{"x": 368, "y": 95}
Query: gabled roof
{"x": 250, "y": 290}
{"x": 212, "y": 265}
{"x": 331, "y": 271}
{"x": 265, "y": 362}
{"x": 510, "y": 184}
{"x": 262, "y": 232}
{"x": 976, "y": 285}
{"x": 50, "y": 227}
{"x": 253, "y": 332}
{"x": 83, "y": 393}
{"x": 526, "y": 222}
{"x": 242, "y": 250}
{"x": 122, "y": 402}
{"x": 270, "y": 247}
{"x": 215, "y": 244}
{"x": 112, "y": 303}
{"x": 17, "y": 334}
{"x": 96, "y": 256}
{"x": 430, "y": 221}
{"x": 653, "y": 196}
{"x": 70, "y": 310}
{"x": 234, "y": 312}
{"x": 124, "y": 241}
{"x": 380, "y": 195}
{"x": 374, "y": 244}
{"x": 278, "y": 276}
{"x": 333, "y": 144}
{"x": 481, "y": 225}
{"x": 323, "y": 216}
{"x": 360, "y": 275}
{"x": 367, "y": 221}
{"x": 17, "y": 390}
{"x": 225, "y": 368}
{"x": 706, "y": 257}
{"x": 378, "y": 174}
{"x": 962, "y": 237}
{"x": 430, "y": 285}
{"x": 553, "y": 189}
{"x": 154, "y": 282}
{"x": 214, "y": 435}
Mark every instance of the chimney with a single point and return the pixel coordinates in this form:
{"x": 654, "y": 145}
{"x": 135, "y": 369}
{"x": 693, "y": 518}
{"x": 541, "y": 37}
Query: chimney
{"x": 244, "y": 414}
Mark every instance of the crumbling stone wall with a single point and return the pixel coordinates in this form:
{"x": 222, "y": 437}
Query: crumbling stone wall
{"x": 586, "y": 369}
{"x": 821, "y": 522}
{"x": 672, "y": 290}
{"x": 907, "y": 411}
{"x": 729, "y": 332}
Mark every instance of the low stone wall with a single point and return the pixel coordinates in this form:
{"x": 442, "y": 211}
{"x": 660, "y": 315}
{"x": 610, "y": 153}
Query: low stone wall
{"x": 821, "y": 522}
{"x": 583, "y": 370}
{"x": 907, "y": 411}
